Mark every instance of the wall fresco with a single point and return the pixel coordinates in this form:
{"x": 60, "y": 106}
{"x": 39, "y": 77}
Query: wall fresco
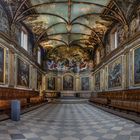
{"x": 68, "y": 60}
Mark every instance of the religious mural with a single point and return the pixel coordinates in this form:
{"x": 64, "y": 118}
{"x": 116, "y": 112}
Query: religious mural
{"x": 22, "y": 73}
{"x": 97, "y": 81}
{"x": 69, "y": 60}
{"x": 85, "y": 83}
{"x": 68, "y": 82}
{"x": 115, "y": 74}
{"x": 1, "y": 65}
{"x": 137, "y": 66}
{"x": 51, "y": 83}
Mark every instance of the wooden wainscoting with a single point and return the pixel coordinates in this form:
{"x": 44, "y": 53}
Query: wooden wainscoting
{"x": 25, "y": 97}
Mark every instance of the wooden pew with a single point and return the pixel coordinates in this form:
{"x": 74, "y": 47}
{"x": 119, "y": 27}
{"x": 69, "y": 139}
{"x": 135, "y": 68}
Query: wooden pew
{"x": 126, "y": 99}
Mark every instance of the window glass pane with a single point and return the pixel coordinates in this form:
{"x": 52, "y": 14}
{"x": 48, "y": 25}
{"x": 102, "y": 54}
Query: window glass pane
{"x": 39, "y": 56}
{"x": 24, "y": 40}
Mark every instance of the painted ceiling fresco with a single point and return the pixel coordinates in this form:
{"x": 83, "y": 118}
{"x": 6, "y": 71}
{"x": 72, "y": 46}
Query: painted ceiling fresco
{"x": 66, "y": 21}
{"x": 69, "y": 23}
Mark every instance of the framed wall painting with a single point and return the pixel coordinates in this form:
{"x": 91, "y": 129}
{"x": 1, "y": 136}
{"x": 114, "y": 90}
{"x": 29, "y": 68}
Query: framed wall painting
{"x": 136, "y": 66}
{"x": 22, "y": 73}
{"x": 97, "y": 81}
{"x": 2, "y": 65}
{"x": 85, "y": 83}
{"x": 115, "y": 74}
{"x": 51, "y": 83}
{"x": 68, "y": 82}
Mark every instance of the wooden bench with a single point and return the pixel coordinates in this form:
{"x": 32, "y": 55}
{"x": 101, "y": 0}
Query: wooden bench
{"x": 126, "y": 99}
{"x": 101, "y": 101}
{"x": 36, "y": 100}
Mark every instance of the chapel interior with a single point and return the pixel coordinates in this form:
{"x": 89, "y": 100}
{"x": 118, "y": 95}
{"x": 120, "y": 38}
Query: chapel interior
{"x": 72, "y": 67}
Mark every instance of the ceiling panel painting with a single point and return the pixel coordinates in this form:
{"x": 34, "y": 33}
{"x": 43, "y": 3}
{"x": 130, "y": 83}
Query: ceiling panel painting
{"x": 83, "y": 9}
{"x": 76, "y": 37}
{"x": 59, "y": 28}
{"x": 56, "y": 9}
{"x": 77, "y": 28}
{"x": 63, "y": 37}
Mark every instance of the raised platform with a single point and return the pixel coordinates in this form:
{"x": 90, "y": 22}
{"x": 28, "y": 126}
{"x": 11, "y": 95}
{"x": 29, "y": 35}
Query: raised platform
{"x": 71, "y": 100}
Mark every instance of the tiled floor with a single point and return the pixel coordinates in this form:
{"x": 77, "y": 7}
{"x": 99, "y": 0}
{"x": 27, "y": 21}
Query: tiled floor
{"x": 69, "y": 122}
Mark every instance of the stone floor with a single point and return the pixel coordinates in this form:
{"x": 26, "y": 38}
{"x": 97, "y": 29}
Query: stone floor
{"x": 69, "y": 122}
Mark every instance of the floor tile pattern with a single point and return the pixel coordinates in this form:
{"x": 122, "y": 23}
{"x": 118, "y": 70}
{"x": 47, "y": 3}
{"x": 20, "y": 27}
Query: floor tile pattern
{"x": 69, "y": 122}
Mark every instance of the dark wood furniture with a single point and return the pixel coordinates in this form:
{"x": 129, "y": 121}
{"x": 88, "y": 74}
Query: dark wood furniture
{"x": 126, "y": 100}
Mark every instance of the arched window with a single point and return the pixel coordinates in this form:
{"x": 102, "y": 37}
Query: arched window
{"x": 39, "y": 56}
{"x": 114, "y": 39}
{"x": 24, "y": 39}
{"x": 97, "y": 57}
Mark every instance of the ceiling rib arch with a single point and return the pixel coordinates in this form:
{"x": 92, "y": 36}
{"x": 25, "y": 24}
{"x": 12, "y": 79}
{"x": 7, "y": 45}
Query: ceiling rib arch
{"x": 69, "y": 34}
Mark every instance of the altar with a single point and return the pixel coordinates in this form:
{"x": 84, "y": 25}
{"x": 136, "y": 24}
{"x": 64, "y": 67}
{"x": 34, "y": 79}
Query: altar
{"x": 68, "y": 93}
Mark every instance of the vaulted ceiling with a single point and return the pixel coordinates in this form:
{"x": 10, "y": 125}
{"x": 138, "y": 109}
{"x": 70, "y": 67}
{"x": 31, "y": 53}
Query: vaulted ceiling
{"x": 67, "y": 23}
{"x": 64, "y": 22}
